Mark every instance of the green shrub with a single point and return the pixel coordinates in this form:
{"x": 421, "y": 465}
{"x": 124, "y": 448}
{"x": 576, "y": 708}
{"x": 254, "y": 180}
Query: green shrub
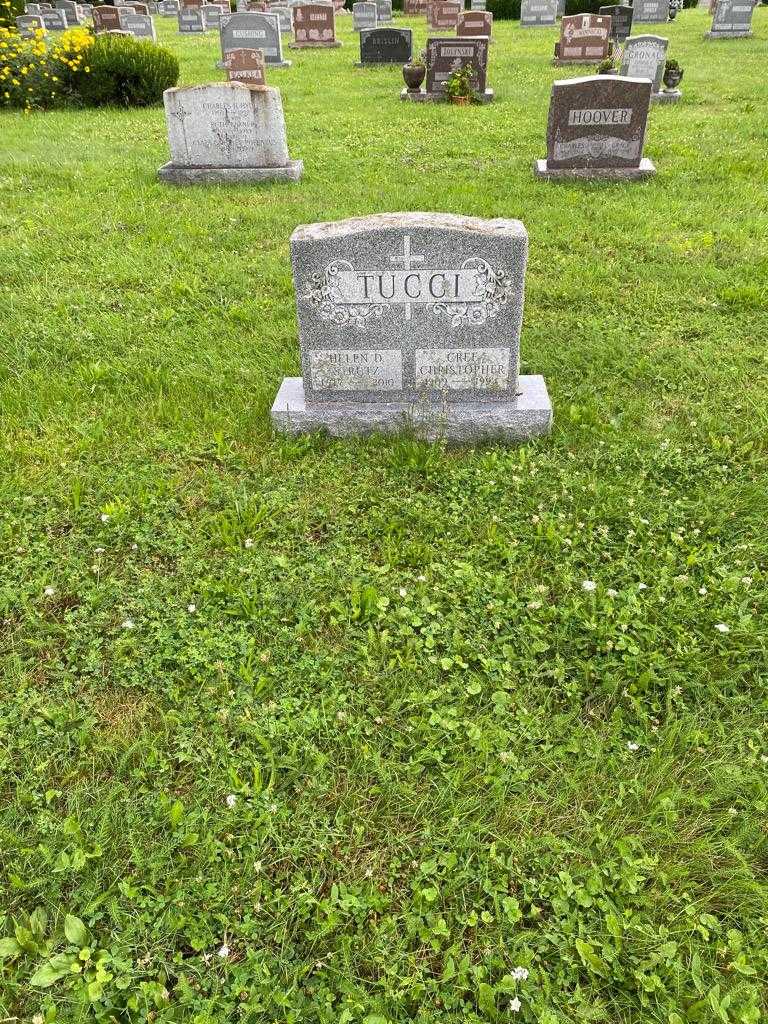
{"x": 127, "y": 72}
{"x": 9, "y": 10}
{"x": 39, "y": 73}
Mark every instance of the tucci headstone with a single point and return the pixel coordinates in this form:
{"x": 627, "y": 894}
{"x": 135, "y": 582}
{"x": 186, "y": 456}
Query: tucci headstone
{"x": 384, "y": 11}
{"x": 443, "y": 57}
{"x": 443, "y": 15}
{"x": 314, "y": 27}
{"x": 191, "y": 19}
{"x": 385, "y": 46}
{"x": 644, "y": 57}
{"x": 254, "y": 30}
{"x": 139, "y": 25}
{"x": 731, "y": 19}
{"x": 538, "y": 13}
{"x": 649, "y": 12}
{"x": 364, "y": 15}
{"x": 226, "y": 133}
{"x": 584, "y": 39}
{"x": 596, "y": 129}
{"x": 475, "y": 23}
{"x": 621, "y": 20}
{"x": 411, "y": 322}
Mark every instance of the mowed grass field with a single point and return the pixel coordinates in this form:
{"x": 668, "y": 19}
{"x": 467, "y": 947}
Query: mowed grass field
{"x": 311, "y": 731}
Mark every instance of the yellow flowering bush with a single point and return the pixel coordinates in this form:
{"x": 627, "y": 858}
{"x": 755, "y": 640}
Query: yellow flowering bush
{"x": 35, "y": 75}
{"x": 9, "y": 10}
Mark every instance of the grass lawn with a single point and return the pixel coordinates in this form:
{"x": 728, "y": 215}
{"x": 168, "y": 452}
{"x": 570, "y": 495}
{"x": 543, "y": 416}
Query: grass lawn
{"x": 345, "y": 713}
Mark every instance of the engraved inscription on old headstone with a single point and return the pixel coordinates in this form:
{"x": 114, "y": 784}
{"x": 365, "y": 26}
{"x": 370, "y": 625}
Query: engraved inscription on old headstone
{"x": 644, "y": 57}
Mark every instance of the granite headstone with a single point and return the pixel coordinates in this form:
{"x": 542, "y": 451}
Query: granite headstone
{"x": 139, "y": 25}
{"x": 649, "y": 12}
{"x": 385, "y": 46}
{"x": 621, "y": 20}
{"x": 314, "y": 26}
{"x": 644, "y": 57}
{"x": 584, "y": 39}
{"x": 254, "y": 30}
{"x": 364, "y": 15}
{"x": 443, "y": 15}
{"x": 191, "y": 19}
{"x": 245, "y": 65}
{"x": 475, "y": 23}
{"x": 538, "y": 13}
{"x": 384, "y": 11}
{"x": 29, "y": 24}
{"x": 732, "y": 19}
{"x": 412, "y": 321}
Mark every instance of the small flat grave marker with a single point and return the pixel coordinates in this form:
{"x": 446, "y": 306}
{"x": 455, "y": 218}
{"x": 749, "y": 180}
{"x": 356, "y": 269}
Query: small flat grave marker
{"x": 596, "y": 129}
{"x": 584, "y": 39}
{"x": 226, "y": 133}
{"x": 385, "y": 46}
{"x": 538, "y": 13}
{"x": 412, "y": 321}
{"x": 314, "y": 27}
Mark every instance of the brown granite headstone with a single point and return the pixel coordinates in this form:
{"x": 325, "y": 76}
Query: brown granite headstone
{"x": 443, "y": 14}
{"x": 584, "y": 39}
{"x": 444, "y": 56}
{"x": 106, "y": 18}
{"x": 597, "y": 122}
{"x": 314, "y": 25}
{"x": 192, "y": 3}
{"x": 475, "y": 23}
{"x": 245, "y": 65}
{"x": 414, "y": 8}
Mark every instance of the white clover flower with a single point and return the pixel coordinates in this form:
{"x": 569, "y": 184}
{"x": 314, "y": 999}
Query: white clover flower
{"x": 611, "y": 592}
{"x": 104, "y": 517}
{"x": 49, "y": 591}
{"x": 642, "y": 586}
{"x": 134, "y": 547}
{"x": 369, "y": 872}
{"x": 231, "y": 800}
{"x": 633, "y": 746}
{"x": 191, "y": 608}
{"x": 379, "y": 720}
{"x": 224, "y": 951}
{"x": 128, "y": 624}
{"x": 422, "y": 579}
{"x": 515, "y": 1005}
{"x": 764, "y": 758}
{"x": 403, "y": 592}
{"x": 341, "y": 716}
{"x": 732, "y": 811}
{"x": 249, "y": 542}
{"x": 746, "y": 580}
{"x": 589, "y": 586}
{"x": 99, "y": 551}
{"x": 534, "y": 605}
{"x": 722, "y": 628}
{"x": 520, "y": 973}
{"x": 702, "y": 591}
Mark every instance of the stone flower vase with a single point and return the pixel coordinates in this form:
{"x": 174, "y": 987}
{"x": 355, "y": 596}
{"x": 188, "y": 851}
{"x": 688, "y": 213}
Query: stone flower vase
{"x": 413, "y": 74}
{"x": 672, "y": 78}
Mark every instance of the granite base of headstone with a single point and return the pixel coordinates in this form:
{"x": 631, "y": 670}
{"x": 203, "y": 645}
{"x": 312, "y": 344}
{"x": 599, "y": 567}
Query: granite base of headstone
{"x": 226, "y": 133}
{"x": 596, "y": 130}
{"x": 410, "y": 323}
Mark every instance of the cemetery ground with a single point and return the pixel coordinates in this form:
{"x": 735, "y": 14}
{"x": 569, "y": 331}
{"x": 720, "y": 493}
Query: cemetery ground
{"x": 363, "y": 731}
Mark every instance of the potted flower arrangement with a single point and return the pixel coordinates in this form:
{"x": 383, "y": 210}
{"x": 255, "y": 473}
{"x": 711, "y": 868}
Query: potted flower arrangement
{"x": 414, "y": 72}
{"x": 673, "y": 75}
{"x": 609, "y": 66}
{"x": 458, "y": 88}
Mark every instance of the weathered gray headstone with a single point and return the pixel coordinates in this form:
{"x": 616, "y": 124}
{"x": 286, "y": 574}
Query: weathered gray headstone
{"x": 314, "y": 26}
{"x": 139, "y": 25}
{"x": 54, "y": 20}
{"x": 284, "y": 18}
{"x": 596, "y": 129}
{"x": 621, "y": 20}
{"x": 538, "y": 13}
{"x": 732, "y": 19}
{"x": 384, "y": 11}
{"x": 191, "y": 19}
{"x": 475, "y": 23}
{"x": 649, "y": 12}
{"x": 584, "y": 39}
{"x": 255, "y": 30}
{"x": 364, "y": 15}
{"x": 32, "y": 8}
{"x": 168, "y": 8}
{"x": 644, "y": 57}
{"x": 72, "y": 11}
{"x": 385, "y": 46}
{"x": 560, "y": 9}
{"x": 477, "y": 5}
{"x": 226, "y": 133}
{"x": 29, "y": 24}
{"x": 411, "y": 322}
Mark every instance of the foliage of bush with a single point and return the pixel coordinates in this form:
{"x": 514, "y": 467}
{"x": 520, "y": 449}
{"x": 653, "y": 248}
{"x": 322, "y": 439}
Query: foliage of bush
{"x": 128, "y": 72}
{"x": 9, "y": 10}
{"x": 36, "y": 75}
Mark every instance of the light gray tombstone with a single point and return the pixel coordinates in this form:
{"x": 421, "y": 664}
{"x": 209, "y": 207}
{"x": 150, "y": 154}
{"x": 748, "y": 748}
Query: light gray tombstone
{"x": 477, "y": 5}
{"x": 191, "y": 19}
{"x": 29, "y": 24}
{"x": 596, "y": 129}
{"x": 168, "y": 8}
{"x": 364, "y": 15}
{"x": 54, "y": 21}
{"x": 732, "y": 20}
{"x": 650, "y": 12}
{"x": 560, "y": 8}
{"x": 283, "y": 17}
{"x": 32, "y": 8}
{"x": 226, "y": 132}
{"x": 211, "y": 16}
{"x": 411, "y": 322}
{"x": 139, "y": 25}
{"x": 538, "y": 13}
{"x": 644, "y": 57}
{"x": 383, "y": 11}
{"x": 72, "y": 11}
{"x": 254, "y": 30}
